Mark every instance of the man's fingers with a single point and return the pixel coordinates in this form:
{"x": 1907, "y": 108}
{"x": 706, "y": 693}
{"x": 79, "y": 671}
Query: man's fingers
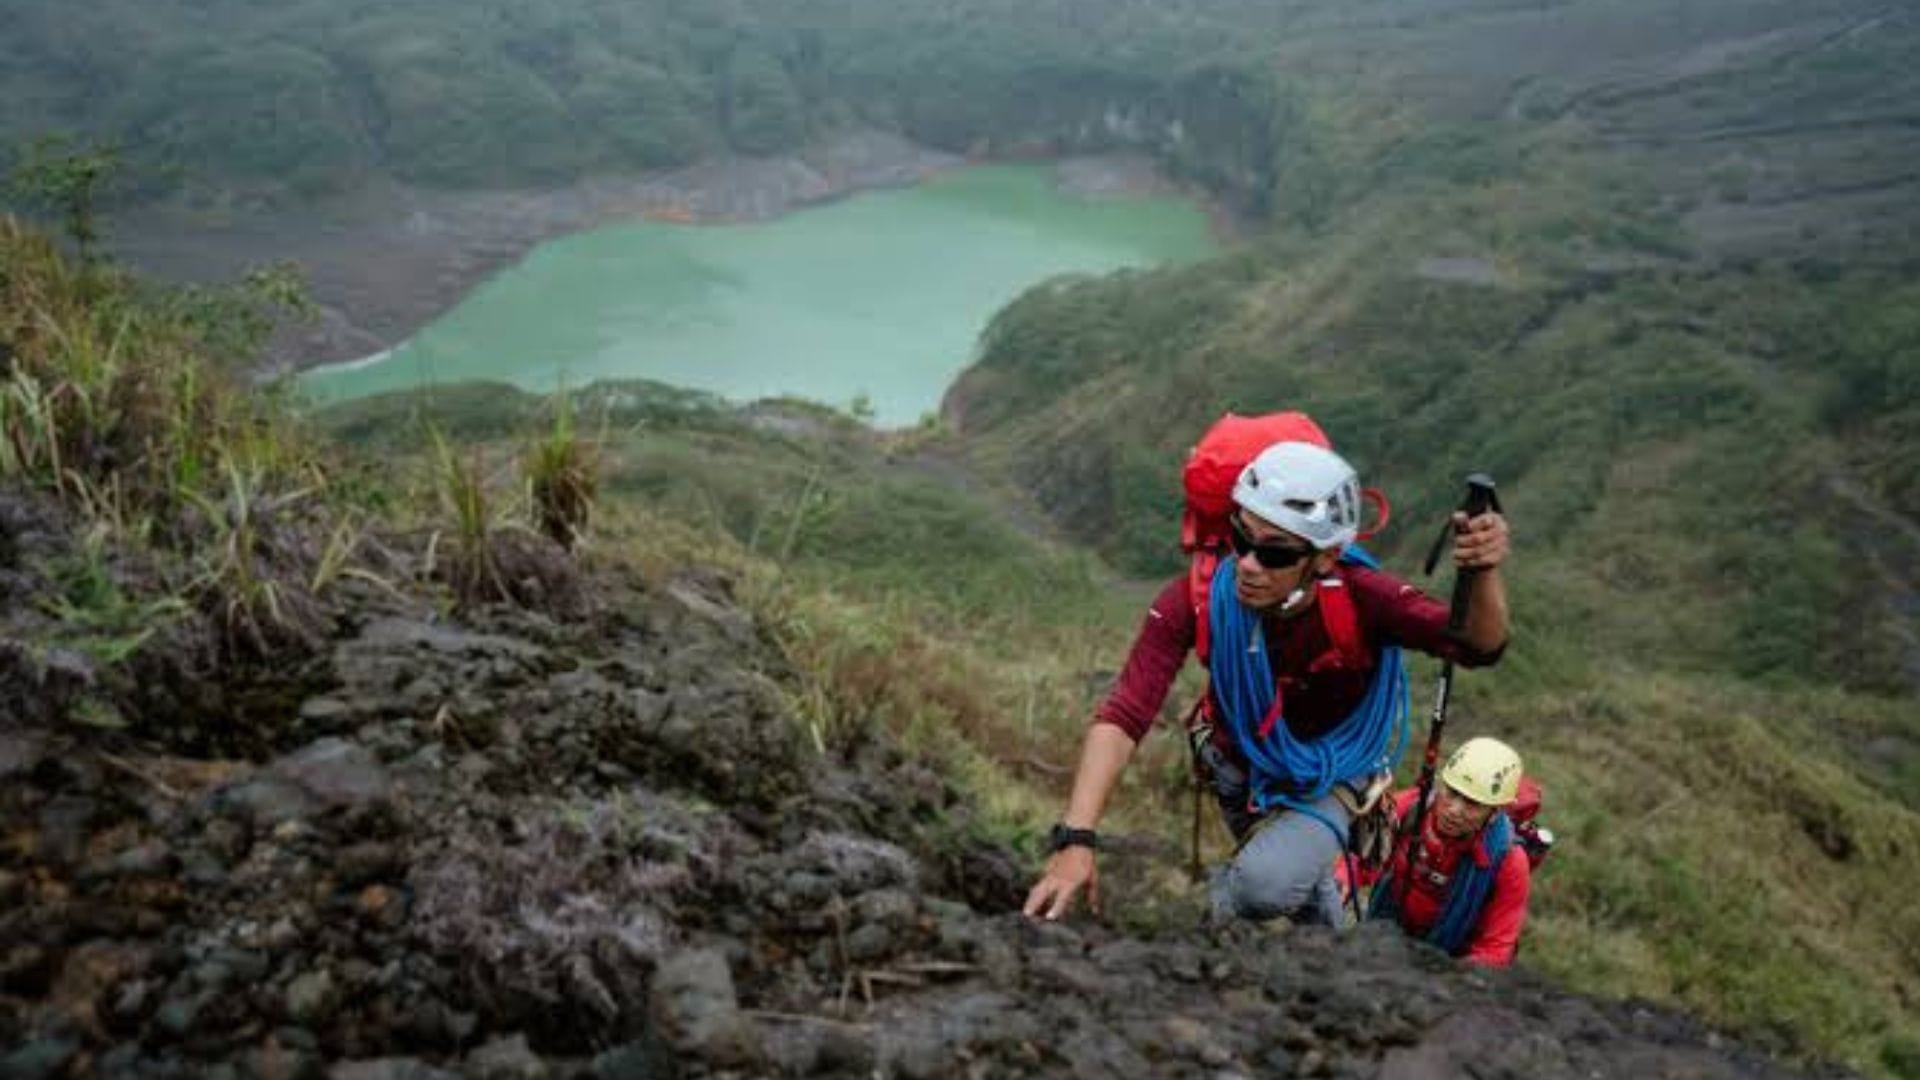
{"x": 1052, "y": 896}
{"x": 1093, "y": 894}
{"x": 1068, "y": 871}
{"x": 1037, "y": 899}
{"x": 1474, "y": 554}
{"x": 1062, "y": 900}
{"x": 1481, "y": 542}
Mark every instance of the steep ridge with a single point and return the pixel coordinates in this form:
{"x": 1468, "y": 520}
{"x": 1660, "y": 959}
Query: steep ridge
{"x": 1735, "y": 845}
{"x": 313, "y": 767}
{"x": 511, "y": 844}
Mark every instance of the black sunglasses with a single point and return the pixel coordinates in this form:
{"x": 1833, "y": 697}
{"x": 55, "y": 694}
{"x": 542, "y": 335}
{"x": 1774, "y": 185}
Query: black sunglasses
{"x": 1271, "y": 556}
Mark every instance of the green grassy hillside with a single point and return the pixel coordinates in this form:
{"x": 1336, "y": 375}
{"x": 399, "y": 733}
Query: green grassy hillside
{"x": 1541, "y": 298}
{"x": 1728, "y": 436}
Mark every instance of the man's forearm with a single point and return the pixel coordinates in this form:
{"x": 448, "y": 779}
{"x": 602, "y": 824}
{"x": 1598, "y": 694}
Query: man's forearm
{"x": 1486, "y": 628}
{"x": 1103, "y": 757}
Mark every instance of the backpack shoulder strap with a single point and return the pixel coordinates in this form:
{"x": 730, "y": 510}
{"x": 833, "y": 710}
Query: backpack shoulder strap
{"x": 1342, "y": 620}
{"x": 1471, "y": 886}
{"x": 1497, "y": 841}
{"x": 1199, "y": 594}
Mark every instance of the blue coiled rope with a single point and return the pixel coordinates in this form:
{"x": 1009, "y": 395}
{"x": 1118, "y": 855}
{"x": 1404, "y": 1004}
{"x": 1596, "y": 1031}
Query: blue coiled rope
{"x": 1287, "y": 771}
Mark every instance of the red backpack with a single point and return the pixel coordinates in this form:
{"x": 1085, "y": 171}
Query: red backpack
{"x": 1532, "y": 837}
{"x": 1213, "y": 466}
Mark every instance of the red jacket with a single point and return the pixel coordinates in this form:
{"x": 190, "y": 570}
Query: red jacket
{"x": 1497, "y": 934}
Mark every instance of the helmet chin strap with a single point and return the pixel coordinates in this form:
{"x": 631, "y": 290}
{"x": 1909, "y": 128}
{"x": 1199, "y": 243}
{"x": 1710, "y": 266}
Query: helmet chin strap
{"x": 1309, "y": 580}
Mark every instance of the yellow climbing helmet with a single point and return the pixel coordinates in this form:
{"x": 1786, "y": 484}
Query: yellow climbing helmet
{"x": 1484, "y": 770}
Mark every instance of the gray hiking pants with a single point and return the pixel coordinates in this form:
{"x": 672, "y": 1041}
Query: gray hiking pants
{"x": 1285, "y": 867}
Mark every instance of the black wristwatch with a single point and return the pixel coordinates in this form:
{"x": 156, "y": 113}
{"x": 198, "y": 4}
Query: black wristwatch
{"x": 1064, "y": 836}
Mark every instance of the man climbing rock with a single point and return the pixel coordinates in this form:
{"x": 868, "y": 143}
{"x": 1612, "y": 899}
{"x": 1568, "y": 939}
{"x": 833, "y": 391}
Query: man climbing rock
{"x": 1463, "y": 884}
{"x": 1301, "y": 634}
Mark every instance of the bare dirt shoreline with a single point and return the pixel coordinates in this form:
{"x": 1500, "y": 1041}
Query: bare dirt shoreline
{"x": 386, "y": 260}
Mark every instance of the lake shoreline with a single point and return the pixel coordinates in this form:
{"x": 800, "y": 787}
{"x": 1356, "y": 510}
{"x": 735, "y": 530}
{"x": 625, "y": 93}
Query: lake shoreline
{"x": 387, "y": 260}
{"x": 878, "y": 298}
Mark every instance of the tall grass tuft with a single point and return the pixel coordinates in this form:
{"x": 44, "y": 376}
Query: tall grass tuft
{"x": 253, "y": 586}
{"x": 470, "y": 568}
{"x": 562, "y": 474}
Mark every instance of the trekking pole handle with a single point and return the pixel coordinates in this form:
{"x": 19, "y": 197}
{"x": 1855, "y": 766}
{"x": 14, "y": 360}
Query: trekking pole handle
{"x": 1481, "y": 497}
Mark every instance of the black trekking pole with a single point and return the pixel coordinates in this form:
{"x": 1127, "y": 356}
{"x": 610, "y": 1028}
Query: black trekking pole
{"x": 1201, "y": 778}
{"x": 1481, "y": 497}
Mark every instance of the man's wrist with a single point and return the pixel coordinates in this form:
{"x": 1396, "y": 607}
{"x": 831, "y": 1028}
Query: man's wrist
{"x": 1065, "y": 836}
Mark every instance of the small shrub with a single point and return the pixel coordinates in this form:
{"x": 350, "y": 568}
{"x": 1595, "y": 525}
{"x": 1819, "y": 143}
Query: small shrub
{"x": 253, "y": 583}
{"x": 489, "y": 558}
{"x": 562, "y": 471}
{"x": 470, "y": 568}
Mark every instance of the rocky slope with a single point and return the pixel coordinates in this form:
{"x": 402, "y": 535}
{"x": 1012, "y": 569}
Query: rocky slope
{"x": 596, "y": 843}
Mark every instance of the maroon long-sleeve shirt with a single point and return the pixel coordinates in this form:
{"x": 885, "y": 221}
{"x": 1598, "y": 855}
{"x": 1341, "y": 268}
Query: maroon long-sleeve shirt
{"x": 1319, "y": 688}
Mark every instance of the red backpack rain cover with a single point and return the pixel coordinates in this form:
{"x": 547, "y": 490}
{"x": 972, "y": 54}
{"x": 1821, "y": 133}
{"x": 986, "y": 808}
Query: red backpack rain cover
{"x": 1216, "y": 462}
{"x": 1212, "y": 468}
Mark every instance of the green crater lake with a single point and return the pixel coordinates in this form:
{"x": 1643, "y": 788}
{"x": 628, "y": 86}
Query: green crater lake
{"x": 882, "y": 294}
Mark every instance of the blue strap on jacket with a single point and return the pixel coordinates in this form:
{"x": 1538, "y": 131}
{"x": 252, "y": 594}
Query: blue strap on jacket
{"x": 1467, "y": 893}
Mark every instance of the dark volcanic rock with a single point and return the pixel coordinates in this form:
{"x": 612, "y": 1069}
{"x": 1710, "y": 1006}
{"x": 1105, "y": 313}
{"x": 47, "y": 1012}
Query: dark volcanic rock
{"x": 506, "y": 1058}
{"x": 312, "y": 998}
{"x": 697, "y": 1010}
{"x": 393, "y": 1068}
{"x": 335, "y": 773}
{"x": 521, "y": 847}
{"x": 41, "y": 1059}
{"x": 20, "y": 752}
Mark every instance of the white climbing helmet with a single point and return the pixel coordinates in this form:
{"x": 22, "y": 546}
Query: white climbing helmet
{"x": 1308, "y": 490}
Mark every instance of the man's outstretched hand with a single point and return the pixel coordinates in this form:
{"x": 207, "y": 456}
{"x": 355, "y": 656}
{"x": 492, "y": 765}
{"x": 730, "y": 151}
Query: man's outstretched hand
{"x": 1068, "y": 871}
{"x": 1482, "y": 543}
